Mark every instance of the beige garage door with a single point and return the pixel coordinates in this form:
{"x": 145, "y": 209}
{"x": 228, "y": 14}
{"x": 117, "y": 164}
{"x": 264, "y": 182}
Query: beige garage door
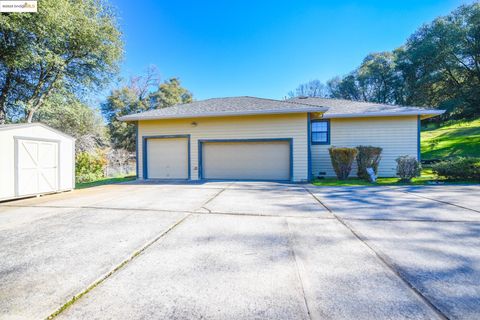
{"x": 246, "y": 160}
{"x": 167, "y": 158}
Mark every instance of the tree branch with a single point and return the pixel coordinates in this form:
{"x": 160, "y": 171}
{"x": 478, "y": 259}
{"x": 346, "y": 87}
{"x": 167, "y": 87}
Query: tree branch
{"x": 4, "y": 94}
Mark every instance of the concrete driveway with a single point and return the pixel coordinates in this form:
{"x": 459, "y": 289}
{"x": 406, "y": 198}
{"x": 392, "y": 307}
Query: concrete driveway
{"x": 242, "y": 250}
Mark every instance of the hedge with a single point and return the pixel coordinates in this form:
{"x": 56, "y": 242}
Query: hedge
{"x": 458, "y": 169}
{"x": 367, "y": 157}
{"x": 342, "y": 160}
{"x": 407, "y": 168}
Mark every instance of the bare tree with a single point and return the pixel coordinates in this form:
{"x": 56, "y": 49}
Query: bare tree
{"x": 313, "y": 88}
{"x": 143, "y": 83}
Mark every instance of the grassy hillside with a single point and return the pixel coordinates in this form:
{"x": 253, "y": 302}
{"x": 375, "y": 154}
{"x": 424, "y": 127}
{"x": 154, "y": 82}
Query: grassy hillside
{"x": 460, "y": 139}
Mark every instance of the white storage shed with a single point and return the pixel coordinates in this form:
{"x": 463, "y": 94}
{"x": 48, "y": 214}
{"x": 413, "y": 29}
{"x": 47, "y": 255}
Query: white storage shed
{"x": 35, "y": 159}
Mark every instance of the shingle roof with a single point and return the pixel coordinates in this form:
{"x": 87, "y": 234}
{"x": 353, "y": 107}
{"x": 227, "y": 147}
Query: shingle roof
{"x": 338, "y": 108}
{"x": 332, "y": 108}
{"x": 225, "y": 107}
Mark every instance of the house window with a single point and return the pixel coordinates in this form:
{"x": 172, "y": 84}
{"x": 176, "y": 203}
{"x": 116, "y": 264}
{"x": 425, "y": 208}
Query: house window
{"x": 320, "y": 132}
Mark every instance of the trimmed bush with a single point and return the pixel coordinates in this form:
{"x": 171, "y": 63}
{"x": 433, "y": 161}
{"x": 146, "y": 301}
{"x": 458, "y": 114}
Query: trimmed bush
{"x": 407, "y": 168}
{"x": 367, "y": 157}
{"x": 89, "y": 166}
{"x": 458, "y": 169}
{"x": 342, "y": 160}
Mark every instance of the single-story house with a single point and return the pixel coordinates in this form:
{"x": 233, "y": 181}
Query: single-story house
{"x": 250, "y": 138}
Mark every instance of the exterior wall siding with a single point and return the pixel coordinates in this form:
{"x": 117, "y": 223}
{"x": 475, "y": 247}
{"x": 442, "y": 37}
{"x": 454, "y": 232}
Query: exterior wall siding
{"x": 239, "y": 127}
{"x": 396, "y": 135}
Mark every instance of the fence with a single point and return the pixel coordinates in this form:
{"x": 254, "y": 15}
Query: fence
{"x": 120, "y": 170}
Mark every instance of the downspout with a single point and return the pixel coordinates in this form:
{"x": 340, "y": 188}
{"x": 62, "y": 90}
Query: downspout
{"x": 136, "y": 148}
{"x": 309, "y": 148}
{"x": 419, "y": 129}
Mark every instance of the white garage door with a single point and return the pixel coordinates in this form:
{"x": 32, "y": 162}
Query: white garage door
{"x": 268, "y": 160}
{"x": 37, "y": 167}
{"x": 167, "y": 158}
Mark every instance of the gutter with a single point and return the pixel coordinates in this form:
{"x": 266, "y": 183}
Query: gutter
{"x": 431, "y": 113}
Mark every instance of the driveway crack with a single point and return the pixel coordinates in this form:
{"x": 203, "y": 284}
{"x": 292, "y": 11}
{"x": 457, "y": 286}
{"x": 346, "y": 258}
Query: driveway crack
{"x": 385, "y": 261}
{"x": 433, "y": 199}
{"x": 291, "y": 241}
{"x": 117, "y": 268}
{"x": 203, "y": 206}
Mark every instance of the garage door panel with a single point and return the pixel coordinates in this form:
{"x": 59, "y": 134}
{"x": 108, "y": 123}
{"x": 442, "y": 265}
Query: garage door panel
{"x": 167, "y": 158}
{"x": 268, "y": 160}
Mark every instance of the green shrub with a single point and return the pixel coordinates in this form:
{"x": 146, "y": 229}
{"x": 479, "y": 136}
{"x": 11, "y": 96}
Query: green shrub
{"x": 407, "y": 168}
{"x": 367, "y": 157}
{"x": 458, "y": 169}
{"x": 89, "y": 166}
{"x": 342, "y": 160}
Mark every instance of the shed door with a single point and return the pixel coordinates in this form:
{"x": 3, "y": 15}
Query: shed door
{"x": 37, "y": 167}
{"x": 268, "y": 160}
{"x": 167, "y": 158}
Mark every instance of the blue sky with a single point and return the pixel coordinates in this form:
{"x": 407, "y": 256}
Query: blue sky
{"x": 263, "y": 48}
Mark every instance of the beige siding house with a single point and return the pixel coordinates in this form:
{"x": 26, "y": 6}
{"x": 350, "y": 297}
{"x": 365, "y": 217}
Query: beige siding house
{"x": 395, "y": 135}
{"x": 247, "y": 138}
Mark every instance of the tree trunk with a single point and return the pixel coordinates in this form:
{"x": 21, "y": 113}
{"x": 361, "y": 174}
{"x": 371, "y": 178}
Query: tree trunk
{"x": 3, "y": 97}
{"x": 39, "y": 102}
{"x": 3, "y": 116}
{"x": 3, "y": 107}
{"x": 30, "y": 115}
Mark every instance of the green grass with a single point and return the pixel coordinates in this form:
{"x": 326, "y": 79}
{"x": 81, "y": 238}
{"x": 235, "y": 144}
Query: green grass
{"x": 103, "y": 181}
{"x": 427, "y": 177}
{"x": 461, "y": 139}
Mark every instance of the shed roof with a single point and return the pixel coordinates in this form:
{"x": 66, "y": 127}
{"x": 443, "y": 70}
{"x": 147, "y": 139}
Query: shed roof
{"x": 11, "y": 126}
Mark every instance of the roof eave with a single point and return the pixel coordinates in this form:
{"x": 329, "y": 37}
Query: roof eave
{"x": 38, "y": 124}
{"x": 222, "y": 114}
{"x": 424, "y": 113}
